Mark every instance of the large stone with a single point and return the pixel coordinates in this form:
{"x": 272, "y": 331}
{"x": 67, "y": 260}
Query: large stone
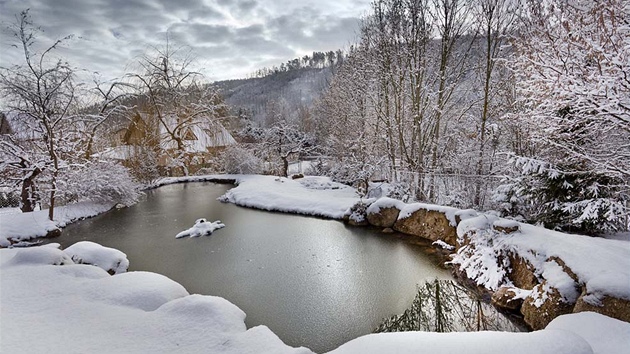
{"x": 429, "y": 224}
{"x": 386, "y": 217}
{"x": 56, "y": 232}
{"x": 522, "y": 273}
{"x": 540, "y": 307}
{"x": 505, "y": 298}
{"x": 610, "y": 306}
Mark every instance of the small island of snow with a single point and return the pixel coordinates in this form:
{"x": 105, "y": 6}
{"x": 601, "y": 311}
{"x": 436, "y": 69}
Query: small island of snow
{"x": 201, "y": 228}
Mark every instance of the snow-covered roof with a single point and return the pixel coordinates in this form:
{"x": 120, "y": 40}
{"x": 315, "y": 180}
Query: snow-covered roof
{"x": 201, "y": 136}
{"x": 122, "y": 152}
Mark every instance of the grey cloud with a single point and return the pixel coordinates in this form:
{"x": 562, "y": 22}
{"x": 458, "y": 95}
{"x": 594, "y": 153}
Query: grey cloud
{"x": 202, "y": 34}
{"x": 230, "y": 37}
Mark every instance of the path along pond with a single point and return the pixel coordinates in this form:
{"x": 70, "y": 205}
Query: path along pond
{"x": 314, "y": 282}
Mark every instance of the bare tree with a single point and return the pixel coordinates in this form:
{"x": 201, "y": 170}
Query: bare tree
{"x": 176, "y": 98}
{"x": 41, "y": 92}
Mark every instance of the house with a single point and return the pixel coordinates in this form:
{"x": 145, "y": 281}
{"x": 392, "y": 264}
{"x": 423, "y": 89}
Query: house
{"x": 178, "y": 140}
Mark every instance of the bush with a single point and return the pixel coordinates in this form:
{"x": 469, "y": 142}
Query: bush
{"x": 238, "y": 160}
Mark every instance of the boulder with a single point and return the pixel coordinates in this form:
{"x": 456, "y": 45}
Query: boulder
{"x": 56, "y": 232}
{"x": 522, "y": 273}
{"x": 543, "y": 305}
{"x": 385, "y": 217}
{"x": 505, "y": 298}
{"x": 429, "y": 224}
{"x": 609, "y": 306}
{"x": 506, "y": 226}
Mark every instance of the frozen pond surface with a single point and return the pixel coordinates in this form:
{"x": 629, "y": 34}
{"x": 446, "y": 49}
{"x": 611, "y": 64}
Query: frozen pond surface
{"x": 314, "y": 282}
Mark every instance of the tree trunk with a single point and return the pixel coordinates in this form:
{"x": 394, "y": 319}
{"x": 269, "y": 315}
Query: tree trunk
{"x": 285, "y": 166}
{"x": 28, "y": 190}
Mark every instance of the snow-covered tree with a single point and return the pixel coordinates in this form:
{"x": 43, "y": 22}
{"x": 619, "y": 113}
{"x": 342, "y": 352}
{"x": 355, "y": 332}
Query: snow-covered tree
{"x": 52, "y": 132}
{"x": 572, "y": 65}
{"x": 41, "y": 93}
{"x": 174, "y": 97}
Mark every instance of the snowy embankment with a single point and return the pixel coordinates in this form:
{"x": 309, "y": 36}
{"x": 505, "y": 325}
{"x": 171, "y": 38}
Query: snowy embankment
{"x": 551, "y": 272}
{"x": 18, "y": 226}
{"x": 602, "y": 265}
{"x": 50, "y": 304}
{"x": 316, "y": 196}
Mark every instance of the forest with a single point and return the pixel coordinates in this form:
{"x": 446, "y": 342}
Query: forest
{"x": 521, "y": 107}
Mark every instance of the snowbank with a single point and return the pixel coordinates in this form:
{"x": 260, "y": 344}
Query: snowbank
{"x": 109, "y": 259}
{"x": 20, "y": 226}
{"x": 604, "y": 334}
{"x": 541, "y": 342}
{"x": 311, "y": 195}
{"x": 74, "y": 308}
{"x": 49, "y": 304}
{"x": 316, "y": 196}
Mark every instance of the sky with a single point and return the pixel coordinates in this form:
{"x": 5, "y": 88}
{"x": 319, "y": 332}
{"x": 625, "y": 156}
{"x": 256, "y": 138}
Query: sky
{"x": 229, "y": 39}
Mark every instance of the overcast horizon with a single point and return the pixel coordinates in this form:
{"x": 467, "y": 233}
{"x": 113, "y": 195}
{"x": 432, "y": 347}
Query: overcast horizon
{"x": 229, "y": 38}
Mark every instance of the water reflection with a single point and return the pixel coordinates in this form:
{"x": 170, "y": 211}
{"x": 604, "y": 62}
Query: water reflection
{"x": 445, "y": 306}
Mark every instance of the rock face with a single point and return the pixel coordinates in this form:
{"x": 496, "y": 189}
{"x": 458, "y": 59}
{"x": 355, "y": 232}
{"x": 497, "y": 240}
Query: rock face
{"x": 429, "y": 224}
{"x": 551, "y": 305}
{"x": 504, "y": 298}
{"x": 612, "y": 307}
{"x": 386, "y": 217}
{"x": 522, "y": 273}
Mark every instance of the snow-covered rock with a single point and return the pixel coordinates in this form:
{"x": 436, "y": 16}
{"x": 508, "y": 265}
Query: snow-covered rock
{"x": 201, "y": 228}
{"x": 384, "y": 212}
{"x": 110, "y": 260}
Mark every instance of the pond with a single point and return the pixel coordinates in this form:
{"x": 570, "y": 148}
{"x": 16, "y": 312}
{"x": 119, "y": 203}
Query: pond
{"x": 314, "y": 282}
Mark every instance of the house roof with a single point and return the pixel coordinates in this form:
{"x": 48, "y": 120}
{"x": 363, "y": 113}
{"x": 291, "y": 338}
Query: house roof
{"x": 199, "y": 136}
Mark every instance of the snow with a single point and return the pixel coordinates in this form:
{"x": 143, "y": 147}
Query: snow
{"x": 443, "y": 245}
{"x": 316, "y": 196}
{"x": 505, "y": 223}
{"x": 585, "y": 332}
{"x": 201, "y": 228}
{"x": 603, "y": 265}
{"x": 541, "y": 342}
{"x": 108, "y": 259}
{"x": 604, "y": 334}
{"x": 78, "y": 308}
{"x": 25, "y": 226}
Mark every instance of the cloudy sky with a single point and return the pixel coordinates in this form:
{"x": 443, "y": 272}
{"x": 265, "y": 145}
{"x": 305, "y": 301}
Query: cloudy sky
{"x": 229, "y": 38}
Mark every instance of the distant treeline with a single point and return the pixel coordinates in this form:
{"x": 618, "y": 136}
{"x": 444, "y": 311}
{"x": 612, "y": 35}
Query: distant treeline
{"x": 316, "y": 60}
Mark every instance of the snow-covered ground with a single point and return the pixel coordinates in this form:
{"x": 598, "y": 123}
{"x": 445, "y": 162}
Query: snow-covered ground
{"x": 317, "y": 196}
{"x": 49, "y": 304}
{"x": 580, "y": 333}
{"x": 19, "y": 226}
